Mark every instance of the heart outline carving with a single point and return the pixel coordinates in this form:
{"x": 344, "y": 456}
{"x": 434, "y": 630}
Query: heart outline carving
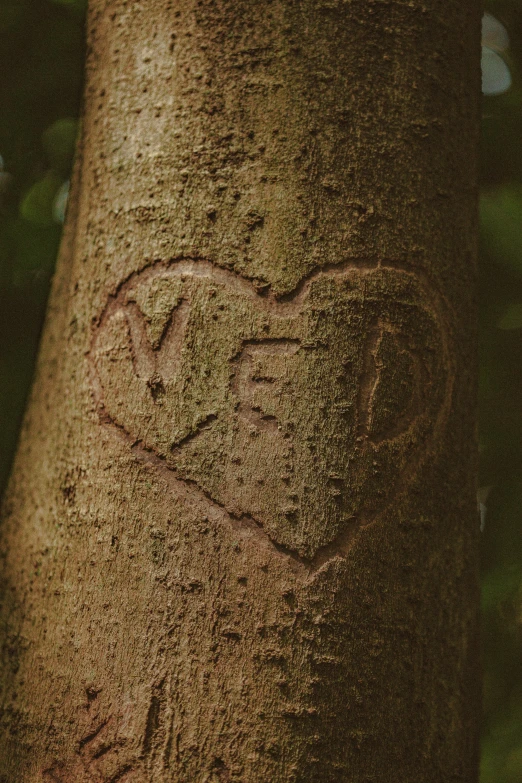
{"x": 222, "y": 412}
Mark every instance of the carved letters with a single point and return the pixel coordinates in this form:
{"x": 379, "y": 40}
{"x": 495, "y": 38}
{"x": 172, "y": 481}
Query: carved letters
{"x": 276, "y": 409}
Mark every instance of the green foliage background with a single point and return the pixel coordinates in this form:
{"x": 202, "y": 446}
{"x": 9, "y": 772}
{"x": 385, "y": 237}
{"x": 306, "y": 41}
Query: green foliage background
{"x": 41, "y": 67}
{"x": 41, "y": 62}
{"x": 500, "y": 414}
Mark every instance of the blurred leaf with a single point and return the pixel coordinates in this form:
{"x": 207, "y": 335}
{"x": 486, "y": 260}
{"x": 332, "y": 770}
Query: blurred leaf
{"x": 501, "y": 585}
{"x": 494, "y": 34}
{"x": 10, "y": 14}
{"x": 513, "y": 765}
{"x": 511, "y": 317}
{"x": 501, "y": 225}
{"x": 500, "y": 751}
{"x": 37, "y": 205}
{"x": 79, "y": 6}
{"x": 35, "y": 249}
{"x": 496, "y": 76}
{"x": 502, "y": 537}
{"x": 58, "y": 141}
{"x": 60, "y": 202}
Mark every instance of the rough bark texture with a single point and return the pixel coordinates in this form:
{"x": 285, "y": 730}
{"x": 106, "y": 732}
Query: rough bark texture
{"x": 240, "y": 538}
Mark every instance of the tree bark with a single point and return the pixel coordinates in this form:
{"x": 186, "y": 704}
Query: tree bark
{"x": 240, "y": 537}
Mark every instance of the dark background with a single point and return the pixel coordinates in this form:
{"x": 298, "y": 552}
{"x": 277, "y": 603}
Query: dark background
{"x": 41, "y": 64}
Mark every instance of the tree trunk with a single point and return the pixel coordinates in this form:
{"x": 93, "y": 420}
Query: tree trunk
{"x": 240, "y": 538}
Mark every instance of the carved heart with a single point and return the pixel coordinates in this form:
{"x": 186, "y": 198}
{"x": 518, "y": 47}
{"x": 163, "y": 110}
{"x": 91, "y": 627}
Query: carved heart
{"x": 276, "y": 409}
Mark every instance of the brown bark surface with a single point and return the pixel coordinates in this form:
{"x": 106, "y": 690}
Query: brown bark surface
{"x": 240, "y": 537}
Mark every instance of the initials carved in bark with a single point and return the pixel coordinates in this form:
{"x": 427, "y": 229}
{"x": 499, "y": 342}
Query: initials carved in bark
{"x": 304, "y": 413}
